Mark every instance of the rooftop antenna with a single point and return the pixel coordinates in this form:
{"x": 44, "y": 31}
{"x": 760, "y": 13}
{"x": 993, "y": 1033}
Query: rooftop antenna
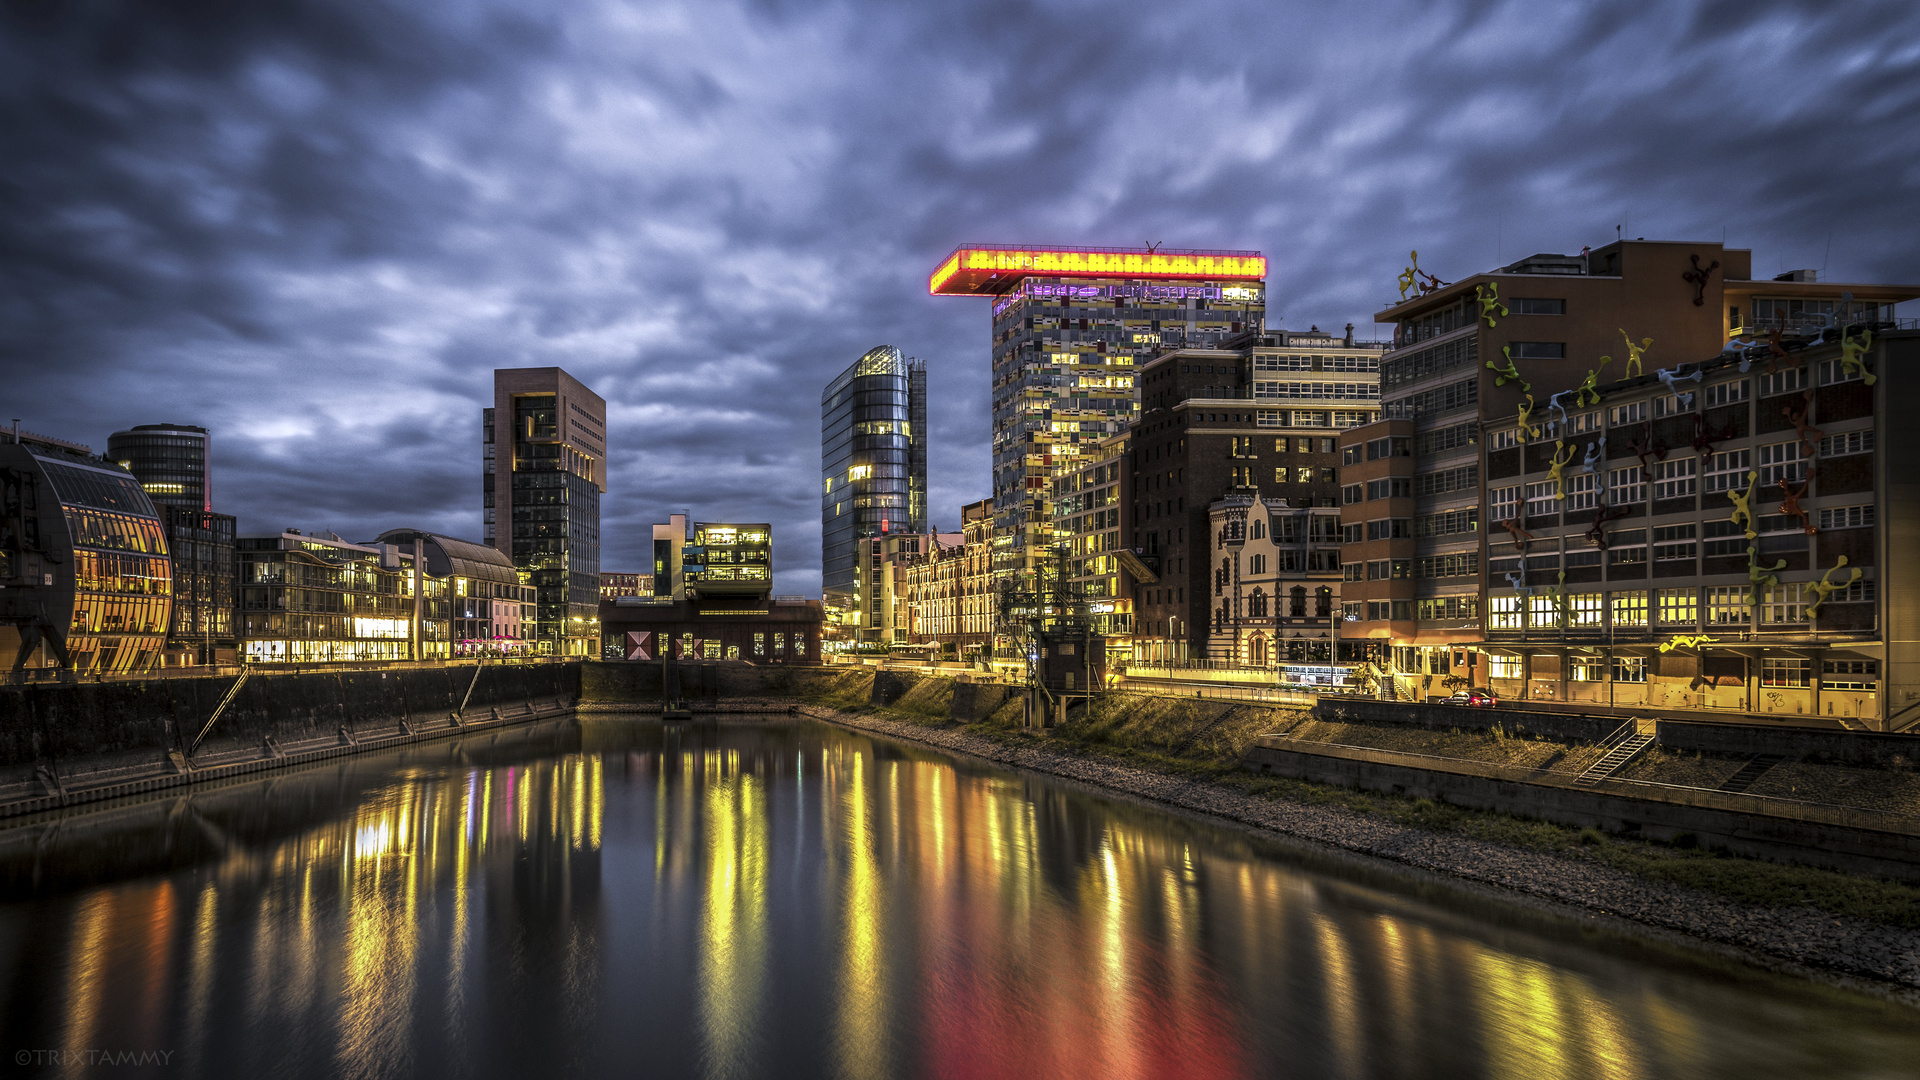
{"x": 1828, "y": 255}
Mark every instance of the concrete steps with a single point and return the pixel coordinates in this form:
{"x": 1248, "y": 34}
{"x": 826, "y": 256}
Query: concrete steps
{"x": 1753, "y": 770}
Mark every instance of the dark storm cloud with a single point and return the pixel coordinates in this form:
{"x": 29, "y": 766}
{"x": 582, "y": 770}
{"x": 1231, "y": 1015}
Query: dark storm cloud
{"x": 317, "y": 228}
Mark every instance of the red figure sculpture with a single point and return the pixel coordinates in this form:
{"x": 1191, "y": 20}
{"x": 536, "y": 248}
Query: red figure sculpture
{"x": 1809, "y": 447}
{"x": 1643, "y": 449}
{"x": 1598, "y": 534}
{"x": 1704, "y": 437}
{"x": 1520, "y": 535}
{"x": 1697, "y": 277}
{"x": 1790, "y": 504}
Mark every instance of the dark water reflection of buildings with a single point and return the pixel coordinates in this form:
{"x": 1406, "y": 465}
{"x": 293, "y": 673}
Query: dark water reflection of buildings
{"x": 790, "y": 900}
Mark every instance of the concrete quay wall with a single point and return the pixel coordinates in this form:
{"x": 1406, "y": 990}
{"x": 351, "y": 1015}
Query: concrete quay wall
{"x": 1832, "y": 838}
{"x": 62, "y": 726}
{"x": 1514, "y": 723}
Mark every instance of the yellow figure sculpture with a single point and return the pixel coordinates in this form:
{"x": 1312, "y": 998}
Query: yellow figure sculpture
{"x": 1743, "y": 505}
{"x": 1850, "y": 350}
{"x": 1633, "y": 355}
{"x": 1590, "y": 386}
{"x": 1510, "y": 373}
{"x": 1560, "y": 601}
{"x": 1683, "y": 641}
{"x": 1558, "y": 470}
{"x": 1825, "y": 586}
{"x": 1410, "y": 275}
{"x": 1528, "y": 432}
{"x": 1758, "y": 575}
{"x": 1489, "y": 297}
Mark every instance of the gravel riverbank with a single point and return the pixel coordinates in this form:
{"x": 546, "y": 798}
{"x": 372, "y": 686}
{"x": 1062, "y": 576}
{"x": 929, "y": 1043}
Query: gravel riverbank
{"x": 1879, "y": 957}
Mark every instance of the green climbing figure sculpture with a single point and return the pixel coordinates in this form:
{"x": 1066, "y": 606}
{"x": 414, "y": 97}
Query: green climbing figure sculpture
{"x": 1686, "y": 641}
{"x": 1489, "y": 297}
{"x": 1743, "y": 505}
{"x": 1560, "y": 602}
{"x": 1589, "y": 387}
{"x": 1850, "y": 350}
{"x": 1758, "y": 575}
{"x": 1510, "y": 373}
{"x": 1558, "y": 470}
{"x": 1633, "y": 355}
{"x": 1825, "y": 586}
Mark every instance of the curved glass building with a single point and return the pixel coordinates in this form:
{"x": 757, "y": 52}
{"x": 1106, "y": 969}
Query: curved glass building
{"x": 873, "y": 467}
{"x": 83, "y": 558}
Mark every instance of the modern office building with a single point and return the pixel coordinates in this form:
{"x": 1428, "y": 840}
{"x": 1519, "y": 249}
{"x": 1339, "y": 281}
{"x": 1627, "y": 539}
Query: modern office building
{"x": 1584, "y": 427}
{"x": 1262, "y": 419}
{"x": 1070, "y": 327}
{"x": 545, "y": 458}
{"x": 200, "y": 543}
{"x": 712, "y": 600}
{"x": 1086, "y": 520}
{"x": 489, "y": 601}
{"x": 614, "y": 584}
{"x": 171, "y": 461}
{"x": 873, "y": 475}
{"x": 173, "y": 464}
{"x": 319, "y": 599}
{"x": 83, "y": 558}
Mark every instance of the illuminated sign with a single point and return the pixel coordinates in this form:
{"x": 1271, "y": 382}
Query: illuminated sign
{"x": 971, "y": 270}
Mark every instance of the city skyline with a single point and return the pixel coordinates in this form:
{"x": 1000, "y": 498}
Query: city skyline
{"x": 316, "y": 233}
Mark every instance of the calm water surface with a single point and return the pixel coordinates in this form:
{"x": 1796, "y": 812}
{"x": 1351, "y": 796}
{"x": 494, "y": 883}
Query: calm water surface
{"x": 789, "y": 900}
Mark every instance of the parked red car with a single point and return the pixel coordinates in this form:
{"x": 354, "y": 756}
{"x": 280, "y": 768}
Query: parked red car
{"x": 1479, "y": 698}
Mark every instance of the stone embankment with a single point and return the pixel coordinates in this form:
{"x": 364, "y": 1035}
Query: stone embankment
{"x": 1791, "y": 937}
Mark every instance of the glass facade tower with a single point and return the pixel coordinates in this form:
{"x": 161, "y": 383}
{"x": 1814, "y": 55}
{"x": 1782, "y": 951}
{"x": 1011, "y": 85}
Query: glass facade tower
{"x": 1069, "y": 327}
{"x": 873, "y": 466}
{"x": 169, "y": 460}
{"x": 544, "y": 451}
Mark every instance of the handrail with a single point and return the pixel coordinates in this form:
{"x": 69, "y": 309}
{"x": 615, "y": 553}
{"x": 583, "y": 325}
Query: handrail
{"x": 461, "y": 711}
{"x": 232, "y": 692}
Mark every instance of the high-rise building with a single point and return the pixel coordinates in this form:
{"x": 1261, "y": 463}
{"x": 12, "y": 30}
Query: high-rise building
{"x": 169, "y": 460}
{"x": 712, "y": 600}
{"x": 873, "y": 476}
{"x": 1069, "y": 327}
{"x": 172, "y": 463}
{"x": 545, "y": 458}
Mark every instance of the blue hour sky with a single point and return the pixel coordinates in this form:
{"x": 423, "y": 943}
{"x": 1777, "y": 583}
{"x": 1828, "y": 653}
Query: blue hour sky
{"x": 316, "y": 227}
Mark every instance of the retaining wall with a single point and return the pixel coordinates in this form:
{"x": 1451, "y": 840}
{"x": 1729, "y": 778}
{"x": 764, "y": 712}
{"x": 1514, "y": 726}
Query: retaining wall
{"x": 1844, "y": 747}
{"x": 42, "y": 724}
{"x": 1560, "y": 727}
{"x": 1848, "y": 848}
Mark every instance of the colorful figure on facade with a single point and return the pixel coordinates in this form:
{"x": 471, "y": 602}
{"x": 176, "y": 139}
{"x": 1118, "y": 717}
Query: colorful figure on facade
{"x": 1634, "y": 353}
{"x": 1697, "y": 277}
{"x": 1560, "y": 601}
{"x": 1598, "y": 534}
{"x": 1510, "y": 373}
{"x": 1488, "y": 296}
{"x": 1528, "y": 431}
{"x": 1557, "y": 467}
{"x": 1743, "y": 504}
{"x": 1686, "y": 641}
{"x": 1739, "y": 347}
{"x": 1518, "y": 581}
{"x": 1590, "y": 386}
{"x": 1826, "y": 588}
{"x": 1851, "y": 350}
{"x": 1671, "y": 377}
{"x": 1790, "y": 505}
{"x": 1758, "y": 575}
{"x": 1521, "y": 537}
{"x": 1704, "y": 437}
{"x": 1642, "y": 449}
{"x": 1809, "y": 446}
{"x": 1411, "y": 278}
{"x": 1776, "y": 350}
{"x": 1558, "y": 429}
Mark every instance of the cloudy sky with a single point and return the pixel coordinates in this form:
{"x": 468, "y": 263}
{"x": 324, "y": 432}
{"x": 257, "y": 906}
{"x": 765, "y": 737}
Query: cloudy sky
{"x": 317, "y": 227}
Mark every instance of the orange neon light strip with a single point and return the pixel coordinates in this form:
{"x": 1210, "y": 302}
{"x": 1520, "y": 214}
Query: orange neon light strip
{"x": 972, "y": 262}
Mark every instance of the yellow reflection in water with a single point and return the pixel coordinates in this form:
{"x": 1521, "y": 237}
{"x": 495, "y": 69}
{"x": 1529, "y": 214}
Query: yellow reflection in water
{"x": 862, "y": 1016}
{"x": 382, "y": 937}
{"x": 733, "y": 923}
{"x": 1539, "y": 1023}
{"x": 86, "y": 973}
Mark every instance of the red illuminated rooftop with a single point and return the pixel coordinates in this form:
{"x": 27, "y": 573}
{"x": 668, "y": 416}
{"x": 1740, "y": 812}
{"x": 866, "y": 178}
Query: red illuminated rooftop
{"x": 986, "y": 269}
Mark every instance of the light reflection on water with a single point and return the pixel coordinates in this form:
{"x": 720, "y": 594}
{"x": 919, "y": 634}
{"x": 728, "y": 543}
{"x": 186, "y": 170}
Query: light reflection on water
{"x": 791, "y": 900}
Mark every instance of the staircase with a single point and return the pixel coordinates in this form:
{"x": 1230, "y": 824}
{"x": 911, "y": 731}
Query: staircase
{"x": 1751, "y": 771}
{"x": 1616, "y": 759}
